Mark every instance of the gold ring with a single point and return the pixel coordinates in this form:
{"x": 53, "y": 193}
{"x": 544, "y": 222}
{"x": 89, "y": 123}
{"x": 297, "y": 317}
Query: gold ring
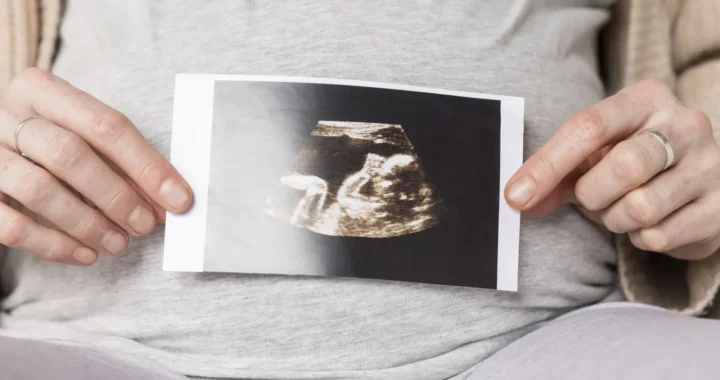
{"x": 17, "y": 134}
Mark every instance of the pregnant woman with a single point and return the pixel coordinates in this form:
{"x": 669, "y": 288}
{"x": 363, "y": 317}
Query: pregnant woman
{"x": 83, "y": 152}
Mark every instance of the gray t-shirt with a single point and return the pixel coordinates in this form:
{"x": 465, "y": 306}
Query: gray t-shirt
{"x": 279, "y": 327}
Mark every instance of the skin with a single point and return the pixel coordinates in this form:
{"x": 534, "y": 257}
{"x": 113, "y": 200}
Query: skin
{"x": 97, "y": 181}
{"x": 598, "y": 162}
{"x": 93, "y": 176}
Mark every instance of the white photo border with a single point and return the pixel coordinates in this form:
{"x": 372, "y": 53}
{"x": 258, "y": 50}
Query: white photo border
{"x": 191, "y": 146}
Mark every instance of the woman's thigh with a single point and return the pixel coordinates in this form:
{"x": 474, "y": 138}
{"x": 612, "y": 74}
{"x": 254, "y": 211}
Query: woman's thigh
{"x": 41, "y": 360}
{"x": 611, "y": 341}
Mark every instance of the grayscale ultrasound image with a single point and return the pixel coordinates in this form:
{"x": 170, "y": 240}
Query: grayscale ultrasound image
{"x": 357, "y": 179}
{"x": 350, "y": 181}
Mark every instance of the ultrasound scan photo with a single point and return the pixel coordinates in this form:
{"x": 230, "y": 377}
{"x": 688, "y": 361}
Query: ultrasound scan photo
{"x": 347, "y": 179}
{"x": 358, "y": 179}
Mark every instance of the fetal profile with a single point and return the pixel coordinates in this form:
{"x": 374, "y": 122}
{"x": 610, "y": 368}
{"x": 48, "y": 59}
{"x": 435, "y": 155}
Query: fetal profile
{"x": 357, "y": 179}
{"x": 352, "y": 179}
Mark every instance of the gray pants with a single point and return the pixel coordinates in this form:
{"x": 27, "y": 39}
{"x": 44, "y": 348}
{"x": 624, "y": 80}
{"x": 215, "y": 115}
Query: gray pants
{"x": 609, "y": 341}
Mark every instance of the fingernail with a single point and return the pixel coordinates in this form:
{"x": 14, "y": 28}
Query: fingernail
{"x": 141, "y": 220}
{"x": 521, "y": 191}
{"x": 84, "y": 256}
{"x": 175, "y": 194}
{"x": 114, "y": 242}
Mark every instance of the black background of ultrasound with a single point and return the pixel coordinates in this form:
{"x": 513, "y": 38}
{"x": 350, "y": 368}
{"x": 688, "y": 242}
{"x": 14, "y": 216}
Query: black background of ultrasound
{"x": 457, "y": 140}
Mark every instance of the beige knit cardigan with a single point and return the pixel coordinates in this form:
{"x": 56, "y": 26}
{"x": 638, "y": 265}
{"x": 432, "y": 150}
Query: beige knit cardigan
{"x": 676, "y": 41}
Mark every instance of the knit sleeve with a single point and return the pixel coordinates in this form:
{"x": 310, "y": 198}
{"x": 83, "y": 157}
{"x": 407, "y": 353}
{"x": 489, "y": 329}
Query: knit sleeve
{"x": 2, "y": 262}
{"x": 677, "y": 42}
{"x": 28, "y": 35}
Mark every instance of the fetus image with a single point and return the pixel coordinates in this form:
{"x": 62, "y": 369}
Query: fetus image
{"x": 357, "y": 179}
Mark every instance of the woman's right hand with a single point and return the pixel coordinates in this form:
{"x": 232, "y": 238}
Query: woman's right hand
{"x": 81, "y": 150}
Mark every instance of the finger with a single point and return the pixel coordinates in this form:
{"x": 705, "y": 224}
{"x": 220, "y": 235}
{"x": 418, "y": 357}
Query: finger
{"x": 157, "y": 209}
{"x": 629, "y": 164}
{"x": 69, "y": 158}
{"x": 21, "y": 232}
{"x": 636, "y": 160}
{"x": 696, "y": 222}
{"x": 661, "y": 196}
{"x": 42, "y": 193}
{"x": 585, "y": 133}
{"x": 696, "y": 251}
{"x": 565, "y": 191}
{"x": 106, "y": 130}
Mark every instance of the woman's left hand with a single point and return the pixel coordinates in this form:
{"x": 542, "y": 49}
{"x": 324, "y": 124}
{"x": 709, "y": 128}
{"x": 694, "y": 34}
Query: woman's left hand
{"x": 600, "y": 162}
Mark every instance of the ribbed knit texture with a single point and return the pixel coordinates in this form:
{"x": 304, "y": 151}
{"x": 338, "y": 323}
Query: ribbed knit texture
{"x": 677, "y": 42}
{"x": 28, "y": 32}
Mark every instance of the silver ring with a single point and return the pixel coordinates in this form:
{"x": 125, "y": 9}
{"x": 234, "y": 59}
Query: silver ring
{"x": 669, "y": 152}
{"x": 17, "y": 134}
